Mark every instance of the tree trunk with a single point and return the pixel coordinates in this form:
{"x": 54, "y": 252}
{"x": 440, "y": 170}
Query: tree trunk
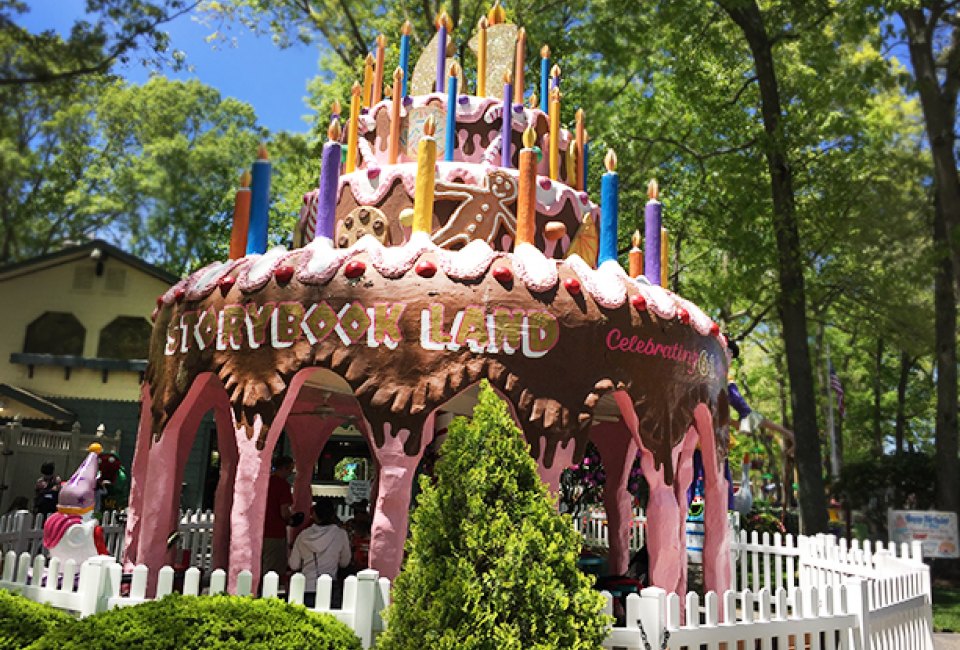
{"x": 877, "y": 442}
{"x": 945, "y": 343}
{"x": 791, "y": 300}
{"x": 906, "y": 363}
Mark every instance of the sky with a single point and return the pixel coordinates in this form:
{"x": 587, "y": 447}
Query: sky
{"x": 256, "y": 71}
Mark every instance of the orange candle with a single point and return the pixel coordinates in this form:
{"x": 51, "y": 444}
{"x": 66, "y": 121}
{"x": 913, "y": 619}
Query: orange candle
{"x": 353, "y": 129}
{"x": 554, "y": 115}
{"x": 636, "y": 256}
{"x": 368, "y": 79}
{"x": 527, "y": 191}
{"x": 378, "y": 72}
{"x": 395, "y": 116}
{"x": 664, "y": 257}
{"x": 581, "y": 139}
{"x": 518, "y": 70}
{"x": 241, "y": 218}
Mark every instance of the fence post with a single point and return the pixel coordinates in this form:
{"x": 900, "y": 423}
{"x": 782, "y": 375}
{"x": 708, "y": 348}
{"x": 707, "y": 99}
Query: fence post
{"x": 22, "y": 521}
{"x": 858, "y": 602}
{"x": 97, "y": 585}
{"x": 653, "y": 614}
{"x": 363, "y": 607}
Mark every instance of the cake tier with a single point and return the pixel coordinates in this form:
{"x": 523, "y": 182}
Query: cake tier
{"x": 472, "y": 201}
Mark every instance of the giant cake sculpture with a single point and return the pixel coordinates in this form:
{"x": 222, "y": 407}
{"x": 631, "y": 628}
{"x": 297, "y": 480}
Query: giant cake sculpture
{"x": 451, "y": 240}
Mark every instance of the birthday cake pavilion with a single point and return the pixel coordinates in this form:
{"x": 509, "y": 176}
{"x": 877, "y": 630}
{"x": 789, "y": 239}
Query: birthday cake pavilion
{"x": 451, "y": 240}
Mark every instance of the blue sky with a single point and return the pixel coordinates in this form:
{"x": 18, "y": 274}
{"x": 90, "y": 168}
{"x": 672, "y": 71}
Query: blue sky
{"x": 257, "y": 72}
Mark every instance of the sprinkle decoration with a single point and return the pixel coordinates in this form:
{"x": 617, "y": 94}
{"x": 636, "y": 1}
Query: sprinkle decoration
{"x": 354, "y": 269}
{"x": 426, "y": 268}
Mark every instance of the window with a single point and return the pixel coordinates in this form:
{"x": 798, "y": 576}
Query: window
{"x": 55, "y": 332}
{"x": 125, "y": 337}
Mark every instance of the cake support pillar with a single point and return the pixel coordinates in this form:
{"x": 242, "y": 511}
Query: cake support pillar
{"x": 394, "y": 487}
{"x": 562, "y": 459}
{"x": 617, "y": 451}
{"x": 716, "y": 542}
{"x": 682, "y": 480}
{"x": 138, "y": 473}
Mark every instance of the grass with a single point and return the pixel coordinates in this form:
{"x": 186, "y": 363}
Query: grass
{"x": 946, "y": 609}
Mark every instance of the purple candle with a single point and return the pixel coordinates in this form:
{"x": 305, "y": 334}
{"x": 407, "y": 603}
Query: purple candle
{"x": 506, "y": 133}
{"x": 651, "y": 226}
{"x": 441, "y": 51}
{"x": 329, "y": 181}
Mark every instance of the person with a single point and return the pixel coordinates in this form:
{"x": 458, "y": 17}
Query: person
{"x": 320, "y": 550}
{"x": 47, "y": 490}
{"x": 277, "y": 517}
{"x": 358, "y": 530}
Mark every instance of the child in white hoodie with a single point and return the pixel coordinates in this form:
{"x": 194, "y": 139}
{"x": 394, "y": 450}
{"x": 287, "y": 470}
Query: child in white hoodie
{"x": 321, "y": 549}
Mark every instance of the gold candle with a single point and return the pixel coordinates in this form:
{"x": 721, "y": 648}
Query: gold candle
{"x": 482, "y": 57}
{"x": 426, "y": 165}
{"x": 378, "y": 73}
{"x": 368, "y": 80}
{"x": 353, "y": 129}
{"x": 554, "y": 114}
{"x": 395, "y": 116}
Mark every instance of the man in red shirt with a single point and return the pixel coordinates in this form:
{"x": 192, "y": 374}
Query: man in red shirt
{"x": 277, "y": 517}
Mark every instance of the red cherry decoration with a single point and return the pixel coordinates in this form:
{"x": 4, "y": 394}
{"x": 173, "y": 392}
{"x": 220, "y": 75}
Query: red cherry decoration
{"x": 179, "y": 293}
{"x": 714, "y": 329}
{"x": 639, "y": 302}
{"x": 426, "y": 269}
{"x": 283, "y": 273}
{"x": 503, "y": 274}
{"x": 159, "y": 302}
{"x": 354, "y": 269}
{"x": 683, "y": 315}
{"x": 226, "y": 283}
{"x": 573, "y": 286}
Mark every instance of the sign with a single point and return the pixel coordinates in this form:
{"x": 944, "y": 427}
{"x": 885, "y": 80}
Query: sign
{"x": 358, "y": 491}
{"x": 937, "y": 531}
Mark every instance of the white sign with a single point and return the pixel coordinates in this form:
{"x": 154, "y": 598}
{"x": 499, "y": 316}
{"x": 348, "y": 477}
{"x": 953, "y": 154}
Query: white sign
{"x": 359, "y": 491}
{"x": 937, "y": 531}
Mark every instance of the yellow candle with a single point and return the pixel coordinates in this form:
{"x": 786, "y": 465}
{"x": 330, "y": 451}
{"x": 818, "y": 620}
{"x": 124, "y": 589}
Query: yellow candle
{"x": 664, "y": 258}
{"x": 636, "y": 256}
{"x": 496, "y": 15}
{"x": 527, "y": 190}
{"x": 426, "y": 165}
{"x": 378, "y": 73}
{"x": 395, "y": 116}
{"x": 518, "y": 70}
{"x": 533, "y": 101}
{"x": 482, "y": 57}
{"x": 581, "y": 139}
{"x": 555, "y": 134}
{"x": 368, "y": 79}
{"x": 353, "y": 129}
{"x": 571, "y": 168}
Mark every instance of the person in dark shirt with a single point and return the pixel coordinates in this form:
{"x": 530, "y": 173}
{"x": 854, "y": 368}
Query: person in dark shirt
{"x": 278, "y": 516}
{"x": 47, "y": 490}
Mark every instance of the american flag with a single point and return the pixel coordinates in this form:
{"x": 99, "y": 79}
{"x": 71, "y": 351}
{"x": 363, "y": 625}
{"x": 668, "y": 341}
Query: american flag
{"x": 837, "y": 388}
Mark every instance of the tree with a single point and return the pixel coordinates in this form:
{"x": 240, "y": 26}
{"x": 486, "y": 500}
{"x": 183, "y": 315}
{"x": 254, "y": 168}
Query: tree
{"x": 120, "y": 29}
{"x": 490, "y": 563}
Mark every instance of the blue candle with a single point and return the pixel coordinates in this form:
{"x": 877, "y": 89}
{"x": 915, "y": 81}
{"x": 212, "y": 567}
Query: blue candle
{"x": 506, "y": 133}
{"x": 329, "y": 180}
{"x": 405, "y": 55}
{"x": 441, "y": 49}
{"x": 450, "y": 144}
{"x": 609, "y": 207}
{"x": 652, "y": 222}
{"x": 544, "y": 77}
{"x": 259, "y": 203}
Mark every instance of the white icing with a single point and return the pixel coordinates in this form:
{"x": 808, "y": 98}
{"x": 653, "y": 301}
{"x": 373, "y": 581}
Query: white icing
{"x": 259, "y": 271}
{"x": 534, "y": 269}
{"x": 469, "y": 263}
{"x": 605, "y": 284}
{"x": 394, "y": 261}
{"x": 321, "y": 261}
{"x": 659, "y": 301}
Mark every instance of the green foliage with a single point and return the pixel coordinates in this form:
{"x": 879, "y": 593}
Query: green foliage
{"x": 23, "y": 621}
{"x": 490, "y": 564}
{"x": 204, "y": 623}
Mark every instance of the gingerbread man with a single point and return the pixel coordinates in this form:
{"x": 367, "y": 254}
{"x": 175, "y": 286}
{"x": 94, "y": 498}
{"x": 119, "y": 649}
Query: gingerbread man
{"x": 482, "y": 212}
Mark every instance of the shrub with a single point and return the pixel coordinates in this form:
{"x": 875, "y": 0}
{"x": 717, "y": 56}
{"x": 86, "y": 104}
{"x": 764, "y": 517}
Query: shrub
{"x": 204, "y": 622}
{"x": 23, "y": 621}
{"x": 490, "y": 563}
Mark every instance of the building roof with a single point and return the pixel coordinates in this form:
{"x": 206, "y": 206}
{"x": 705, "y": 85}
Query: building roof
{"x": 73, "y": 253}
{"x": 42, "y": 405}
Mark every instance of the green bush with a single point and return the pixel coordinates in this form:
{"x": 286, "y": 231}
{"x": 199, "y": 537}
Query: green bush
{"x": 490, "y": 563}
{"x": 204, "y": 622}
{"x": 23, "y": 621}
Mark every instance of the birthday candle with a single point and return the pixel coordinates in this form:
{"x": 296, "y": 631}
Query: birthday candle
{"x": 579, "y": 178}
{"x": 259, "y": 203}
{"x": 368, "y": 80}
{"x": 665, "y": 257}
{"x": 241, "y": 218}
{"x": 571, "y": 167}
{"x": 533, "y": 101}
{"x": 506, "y": 132}
{"x": 555, "y": 134}
{"x": 378, "y": 73}
{"x": 554, "y": 77}
{"x": 609, "y": 207}
{"x": 652, "y": 221}
{"x": 405, "y": 54}
{"x": 586, "y": 159}
{"x": 423, "y": 192}
{"x": 527, "y": 190}
{"x": 329, "y": 181}
{"x": 353, "y": 129}
{"x": 518, "y": 69}
{"x": 335, "y": 110}
{"x": 544, "y": 77}
{"x": 496, "y": 15}
{"x": 450, "y": 143}
{"x": 441, "y": 49}
{"x": 636, "y": 256}
{"x": 482, "y": 57}
{"x": 398, "y": 79}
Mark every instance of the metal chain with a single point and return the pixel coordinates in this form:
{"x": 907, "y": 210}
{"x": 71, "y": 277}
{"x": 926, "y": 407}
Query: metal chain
{"x": 646, "y": 642}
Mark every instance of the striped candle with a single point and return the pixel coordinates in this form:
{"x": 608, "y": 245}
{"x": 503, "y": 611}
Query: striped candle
{"x": 259, "y": 203}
